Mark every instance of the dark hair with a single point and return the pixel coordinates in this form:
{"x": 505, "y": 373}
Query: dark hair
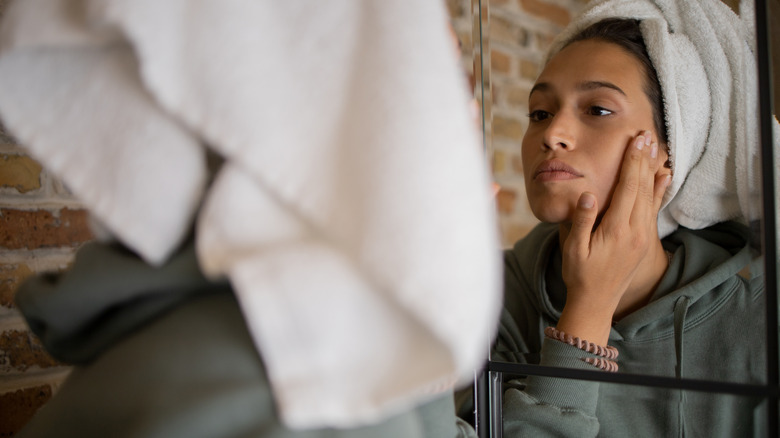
{"x": 627, "y": 34}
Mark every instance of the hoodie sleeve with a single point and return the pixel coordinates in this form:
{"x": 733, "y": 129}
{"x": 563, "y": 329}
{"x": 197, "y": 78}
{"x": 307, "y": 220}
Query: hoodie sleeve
{"x": 551, "y": 406}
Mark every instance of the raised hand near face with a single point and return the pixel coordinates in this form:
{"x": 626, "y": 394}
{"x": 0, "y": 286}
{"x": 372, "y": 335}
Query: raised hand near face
{"x": 613, "y": 268}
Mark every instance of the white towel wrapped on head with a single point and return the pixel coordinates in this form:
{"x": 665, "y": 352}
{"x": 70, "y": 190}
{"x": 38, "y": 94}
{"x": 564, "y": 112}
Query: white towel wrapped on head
{"x": 352, "y": 213}
{"x": 704, "y": 56}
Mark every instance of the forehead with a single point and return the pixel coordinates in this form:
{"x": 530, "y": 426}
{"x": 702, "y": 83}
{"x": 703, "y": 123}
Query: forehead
{"x": 593, "y": 60}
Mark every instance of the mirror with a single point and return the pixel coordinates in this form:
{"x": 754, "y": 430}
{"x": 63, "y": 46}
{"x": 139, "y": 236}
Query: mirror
{"x": 514, "y": 39}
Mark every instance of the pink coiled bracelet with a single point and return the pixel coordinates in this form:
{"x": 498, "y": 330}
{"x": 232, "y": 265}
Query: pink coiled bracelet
{"x": 604, "y": 362}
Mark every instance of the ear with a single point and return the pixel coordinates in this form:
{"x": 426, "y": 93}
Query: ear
{"x": 664, "y": 167}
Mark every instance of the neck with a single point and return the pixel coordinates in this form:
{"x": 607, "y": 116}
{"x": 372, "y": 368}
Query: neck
{"x": 644, "y": 282}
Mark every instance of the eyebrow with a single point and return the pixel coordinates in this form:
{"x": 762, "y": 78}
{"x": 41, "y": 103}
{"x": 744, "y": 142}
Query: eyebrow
{"x": 583, "y": 86}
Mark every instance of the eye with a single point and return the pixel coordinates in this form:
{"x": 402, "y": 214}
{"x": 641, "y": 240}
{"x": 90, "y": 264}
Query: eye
{"x": 539, "y": 115}
{"x": 599, "y": 111}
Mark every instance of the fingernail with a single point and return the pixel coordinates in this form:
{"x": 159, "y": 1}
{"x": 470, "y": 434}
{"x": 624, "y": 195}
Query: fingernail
{"x": 587, "y": 200}
{"x": 668, "y": 180}
{"x": 654, "y": 150}
{"x": 648, "y": 138}
{"x": 640, "y": 142}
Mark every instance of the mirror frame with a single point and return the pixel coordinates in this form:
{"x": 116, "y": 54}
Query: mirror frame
{"x": 488, "y": 392}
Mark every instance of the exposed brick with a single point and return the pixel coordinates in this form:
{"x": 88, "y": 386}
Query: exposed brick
{"x": 505, "y": 200}
{"x": 529, "y": 69}
{"x": 20, "y": 350}
{"x": 506, "y": 32}
{"x": 41, "y": 229}
{"x": 456, "y": 8}
{"x": 499, "y": 161}
{"x": 466, "y": 43}
{"x": 11, "y": 276}
{"x": 546, "y": 11}
{"x": 511, "y": 233}
{"x": 500, "y": 62}
{"x": 20, "y": 172}
{"x": 19, "y": 406}
{"x": 543, "y": 41}
{"x": 507, "y": 128}
{"x": 517, "y": 95}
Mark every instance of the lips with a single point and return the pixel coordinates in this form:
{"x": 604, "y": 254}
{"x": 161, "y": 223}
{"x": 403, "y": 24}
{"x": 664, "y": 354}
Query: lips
{"x": 554, "y": 170}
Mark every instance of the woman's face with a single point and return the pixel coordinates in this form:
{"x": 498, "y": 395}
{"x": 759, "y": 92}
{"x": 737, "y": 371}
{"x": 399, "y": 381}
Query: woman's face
{"x": 585, "y": 108}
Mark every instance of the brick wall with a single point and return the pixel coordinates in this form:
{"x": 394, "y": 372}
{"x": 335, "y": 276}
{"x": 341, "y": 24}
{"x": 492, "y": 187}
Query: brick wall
{"x": 41, "y": 225}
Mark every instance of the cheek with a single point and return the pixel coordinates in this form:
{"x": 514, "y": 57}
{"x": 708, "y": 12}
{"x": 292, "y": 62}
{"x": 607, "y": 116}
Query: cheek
{"x": 606, "y": 173}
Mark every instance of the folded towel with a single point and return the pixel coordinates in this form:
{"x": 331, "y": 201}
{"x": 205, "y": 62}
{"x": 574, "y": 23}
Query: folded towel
{"x": 704, "y": 55}
{"x": 352, "y": 209}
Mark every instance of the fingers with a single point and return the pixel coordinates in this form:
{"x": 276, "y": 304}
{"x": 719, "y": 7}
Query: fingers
{"x": 645, "y": 199}
{"x": 578, "y": 241}
{"x": 626, "y": 192}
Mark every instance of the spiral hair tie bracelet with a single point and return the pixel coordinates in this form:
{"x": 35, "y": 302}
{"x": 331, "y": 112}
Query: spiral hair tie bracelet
{"x": 606, "y": 354}
{"x": 601, "y": 363}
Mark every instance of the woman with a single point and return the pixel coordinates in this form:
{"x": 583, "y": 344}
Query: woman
{"x": 608, "y": 282}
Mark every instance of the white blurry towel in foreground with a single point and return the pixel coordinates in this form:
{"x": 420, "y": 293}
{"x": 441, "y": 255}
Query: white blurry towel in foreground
{"x": 705, "y": 59}
{"x": 352, "y": 213}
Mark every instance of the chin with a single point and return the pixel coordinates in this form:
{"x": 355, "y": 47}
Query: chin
{"x": 553, "y": 214}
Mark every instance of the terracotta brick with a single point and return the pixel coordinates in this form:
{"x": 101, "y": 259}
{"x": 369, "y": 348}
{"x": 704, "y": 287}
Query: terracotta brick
{"x": 499, "y": 161}
{"x": 505, "y": 200}
{"x": 543, "y": 41}
{"x": 20, "y": 172}
{"x": 456, "y": 8}
{"x": 506, "y": 32}
{"x": 547, "y": 11}
{"x": 529, "y": 69}
{"x": 11, "y": 276}
{"x": 465, "y": 43}
{"x": 20, "y": 350}
{"x": 517, "y": 95}
{"x": 500, "y": 62}
{"x": 507, "y": 128}
{"x": 41, "y": 229}
{"x": 19, "y": 406}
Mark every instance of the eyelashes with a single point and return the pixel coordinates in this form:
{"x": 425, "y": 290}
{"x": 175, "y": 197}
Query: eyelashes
{"x": 593, "y": 110}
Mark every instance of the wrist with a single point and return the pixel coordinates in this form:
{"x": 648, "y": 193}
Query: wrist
{"x": 591, "y": 324}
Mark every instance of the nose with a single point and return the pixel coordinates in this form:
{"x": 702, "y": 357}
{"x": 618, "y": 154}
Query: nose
{"x": 558, "y": 134}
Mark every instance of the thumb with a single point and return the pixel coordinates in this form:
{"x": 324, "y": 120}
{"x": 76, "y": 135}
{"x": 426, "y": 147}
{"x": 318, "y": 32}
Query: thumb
{"x": 584, "y": 218}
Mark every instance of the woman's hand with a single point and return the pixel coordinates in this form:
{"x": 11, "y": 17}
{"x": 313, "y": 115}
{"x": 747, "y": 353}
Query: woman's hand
{"x": 601, "y": 265}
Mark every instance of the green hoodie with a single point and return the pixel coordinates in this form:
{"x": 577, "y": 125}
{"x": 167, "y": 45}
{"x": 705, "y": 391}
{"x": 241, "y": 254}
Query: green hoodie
{"x": 704, "y": 321}
{"x": 163, "y": 352}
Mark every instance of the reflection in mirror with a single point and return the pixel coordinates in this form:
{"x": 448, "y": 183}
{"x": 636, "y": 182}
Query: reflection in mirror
{"x": 645, "y": 411}
{"x": 686, "y": 299}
